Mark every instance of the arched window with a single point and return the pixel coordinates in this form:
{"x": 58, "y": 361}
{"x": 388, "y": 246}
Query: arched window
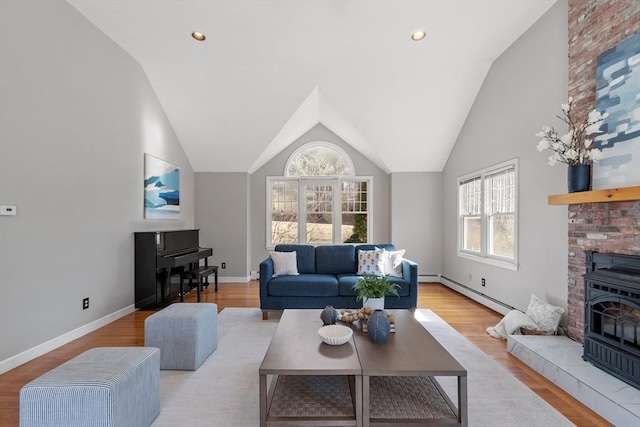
{"x": 319, "y": 159}
{"x": 319, "y": 200}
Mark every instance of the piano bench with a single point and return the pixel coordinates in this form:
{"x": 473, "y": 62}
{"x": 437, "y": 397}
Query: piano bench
{"x": 201, "y": 274}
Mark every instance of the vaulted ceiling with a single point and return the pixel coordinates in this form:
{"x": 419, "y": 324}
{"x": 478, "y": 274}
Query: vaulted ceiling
{"x": 271, "y": 70}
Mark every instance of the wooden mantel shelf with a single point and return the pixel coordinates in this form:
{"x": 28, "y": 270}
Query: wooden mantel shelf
{"x": 596, "y": 196}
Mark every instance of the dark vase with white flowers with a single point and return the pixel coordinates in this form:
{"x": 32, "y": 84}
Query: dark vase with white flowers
{"x": 575, "y": 148}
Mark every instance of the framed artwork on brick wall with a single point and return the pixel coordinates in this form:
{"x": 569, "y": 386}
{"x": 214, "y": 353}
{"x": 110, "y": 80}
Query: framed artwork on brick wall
{"x": 618, "y": 93}
{"x": 161, "y": 189}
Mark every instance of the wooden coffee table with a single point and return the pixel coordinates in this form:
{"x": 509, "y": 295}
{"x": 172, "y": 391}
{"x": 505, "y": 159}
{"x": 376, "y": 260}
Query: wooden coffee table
{"x": 358, "y": 383}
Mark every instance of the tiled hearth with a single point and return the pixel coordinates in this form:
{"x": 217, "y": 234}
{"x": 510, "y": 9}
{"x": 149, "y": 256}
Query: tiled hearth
{"x": 559, "y": 359}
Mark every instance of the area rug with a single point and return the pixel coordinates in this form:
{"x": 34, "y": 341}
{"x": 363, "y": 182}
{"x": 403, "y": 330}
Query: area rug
{"x": 224, "y": 390}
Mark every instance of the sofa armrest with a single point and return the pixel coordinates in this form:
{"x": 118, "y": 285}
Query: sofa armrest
{"x": 266, "y": 274}
{"x": 410, "y": 274}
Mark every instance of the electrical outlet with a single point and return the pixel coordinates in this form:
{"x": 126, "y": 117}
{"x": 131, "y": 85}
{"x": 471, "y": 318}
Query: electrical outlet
{"x": 224, "y": 265}
{"x": 85, "y": 303}
{"x": 483, "y": 282}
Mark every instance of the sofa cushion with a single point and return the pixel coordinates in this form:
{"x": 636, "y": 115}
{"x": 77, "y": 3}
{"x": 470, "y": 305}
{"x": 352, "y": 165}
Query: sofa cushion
{"x": 306, "y": 285}
{"x": 346, "y": 282}
{"x": 306, "y": 255}
{"x": 392, "y": 263}
{"x": 336, "y": 259}
{"x": 284, "y": 263}
{"x": 367, "y": 247}
{"x": 371, "y": 262}
{"x": 405, "y": 286}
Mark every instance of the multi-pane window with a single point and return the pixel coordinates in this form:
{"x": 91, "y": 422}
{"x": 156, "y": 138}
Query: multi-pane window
{"x": 488, "y": 214}
{"x": 284, "y": 211}
{"x": 319, "y": 201}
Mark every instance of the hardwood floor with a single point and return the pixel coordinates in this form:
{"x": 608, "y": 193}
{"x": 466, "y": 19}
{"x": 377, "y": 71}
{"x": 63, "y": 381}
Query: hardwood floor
{"x": 465, "y": 315}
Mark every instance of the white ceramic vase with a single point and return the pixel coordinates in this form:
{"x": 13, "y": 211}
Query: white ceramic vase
{"x": 374, "y": 303}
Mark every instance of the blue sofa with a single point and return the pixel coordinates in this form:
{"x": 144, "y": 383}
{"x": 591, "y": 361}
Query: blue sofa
{"x": 327, "y": 277}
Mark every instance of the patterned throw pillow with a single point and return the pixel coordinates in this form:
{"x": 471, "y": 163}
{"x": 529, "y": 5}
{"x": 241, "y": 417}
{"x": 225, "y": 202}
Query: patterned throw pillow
{"x": 371, "y": 262}
{"x": 284, "y": 263}
{"x": 546, "y": 316}
{"x": 392, "y": 263}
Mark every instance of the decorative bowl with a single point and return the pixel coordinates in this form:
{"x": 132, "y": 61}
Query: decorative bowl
{"x": 335, "y": 334}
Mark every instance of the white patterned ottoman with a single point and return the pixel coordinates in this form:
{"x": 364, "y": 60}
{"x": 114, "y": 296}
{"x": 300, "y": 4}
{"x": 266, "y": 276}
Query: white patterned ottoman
{"x": 185, "y": 333}
{"x": 104, "y": 386}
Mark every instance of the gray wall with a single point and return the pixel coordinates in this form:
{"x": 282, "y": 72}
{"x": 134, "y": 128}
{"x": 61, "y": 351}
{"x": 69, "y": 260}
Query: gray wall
{"x": 416, "y": 218}
{"x": 77, "y": 115}
{"x": 522, "y": 91}
{"x": 221, "y": 215}
{"x": 275, "y": 167}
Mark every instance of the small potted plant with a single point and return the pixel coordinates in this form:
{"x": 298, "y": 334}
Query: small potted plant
{"x": 372, "y": 289}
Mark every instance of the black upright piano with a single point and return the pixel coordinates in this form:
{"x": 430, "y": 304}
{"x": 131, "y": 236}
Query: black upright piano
{"x": 160, "y": 255}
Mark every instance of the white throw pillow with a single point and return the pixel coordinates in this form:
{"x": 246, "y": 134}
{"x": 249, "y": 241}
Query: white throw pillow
{"x": 511, "y": 324}
{"x": 546, "y": 316}
{"x": 284, "y": 263}
{"x": 371, "y": 262}
{"x": 392, "y": 263}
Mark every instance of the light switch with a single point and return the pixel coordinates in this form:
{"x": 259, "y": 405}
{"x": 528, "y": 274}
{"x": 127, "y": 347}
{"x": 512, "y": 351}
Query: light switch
{"x": 8, "y": 210}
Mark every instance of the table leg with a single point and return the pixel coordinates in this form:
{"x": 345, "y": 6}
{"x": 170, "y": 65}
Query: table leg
{"x": 358, "y": 403}
{"x": 263, "y": 400}
{"x": 365, "y": 401}
{"x": 463, "y": 414}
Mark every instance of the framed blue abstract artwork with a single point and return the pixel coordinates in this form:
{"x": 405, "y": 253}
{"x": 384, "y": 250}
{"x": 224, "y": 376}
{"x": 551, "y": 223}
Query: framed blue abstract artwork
{"x": 161, "y": 189}
{"x": 618, "y": 93}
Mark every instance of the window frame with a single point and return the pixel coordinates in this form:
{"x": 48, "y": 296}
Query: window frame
{"x": 336, "y": 182}
{"x": 483, "y": 255}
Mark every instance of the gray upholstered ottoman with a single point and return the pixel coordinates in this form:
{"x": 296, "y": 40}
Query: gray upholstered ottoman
{"x": 185, "y": 333}
{"x": 104, "y": 386}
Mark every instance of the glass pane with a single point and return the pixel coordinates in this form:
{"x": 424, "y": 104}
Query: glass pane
{"x": 354, "y": 228}
{"x": 319, "y": 214}
{"x": 284, "y": 212}
{"x": 471, "y": 234}
{"x": 284, "y": 228}
{"x": 501, "y": 232}
{"x": 319, "y": 160}
{"x": 319, "y": 228}
{"x": 470, "y": 197}
{"x": 503, "y": 192}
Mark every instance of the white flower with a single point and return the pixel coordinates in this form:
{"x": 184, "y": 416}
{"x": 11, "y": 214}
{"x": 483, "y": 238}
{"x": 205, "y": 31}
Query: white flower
{"x": 595, "y": 154}
{"x": 571, "y": 154}
{"x": 575, "y": 147}
{"x": 567, "y": 138}
{"x": 543, "y": 145}
{"x": 593, "y": 128}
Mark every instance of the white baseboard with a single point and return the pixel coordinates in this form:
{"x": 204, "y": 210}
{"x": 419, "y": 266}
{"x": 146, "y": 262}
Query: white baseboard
{"x": 244, "y": 279}
{"x": 482, "y": 299}
{"x": 39, "y": 350}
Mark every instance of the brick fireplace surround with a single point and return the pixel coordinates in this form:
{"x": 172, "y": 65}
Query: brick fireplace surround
{"x": 612, "y": 227}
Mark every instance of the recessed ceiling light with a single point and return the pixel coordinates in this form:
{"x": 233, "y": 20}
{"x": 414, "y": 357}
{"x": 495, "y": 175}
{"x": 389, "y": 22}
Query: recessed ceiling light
{"x": 418, "y": 35}
{"x": 198, "y": 36}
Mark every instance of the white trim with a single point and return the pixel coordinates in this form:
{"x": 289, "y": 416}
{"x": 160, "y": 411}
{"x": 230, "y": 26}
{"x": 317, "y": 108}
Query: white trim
{"x": 474, "y": 296}
{"x": 483, "y": 256}
{"x": 491, "y": 261}
{"x": 428, "y": 278}
{"x": 229, "y": 279}
{"x": 63, "y": 339}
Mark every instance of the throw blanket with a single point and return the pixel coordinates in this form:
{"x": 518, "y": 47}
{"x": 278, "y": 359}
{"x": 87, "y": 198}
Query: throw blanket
{"x": 511, "y": 324}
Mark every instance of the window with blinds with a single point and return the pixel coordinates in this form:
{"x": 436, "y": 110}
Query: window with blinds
{"x": 487, "y": 211}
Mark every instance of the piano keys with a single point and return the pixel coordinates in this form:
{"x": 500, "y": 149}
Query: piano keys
{"x": 159, "y": 255}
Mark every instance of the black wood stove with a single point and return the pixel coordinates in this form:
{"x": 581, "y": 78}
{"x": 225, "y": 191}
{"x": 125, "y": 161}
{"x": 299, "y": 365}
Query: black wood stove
{"x": 612, "y": 315}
